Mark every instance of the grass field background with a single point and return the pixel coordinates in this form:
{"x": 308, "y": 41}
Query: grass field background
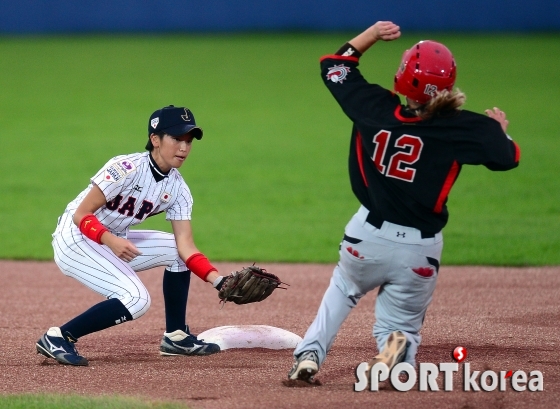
{"x": 269, "y": 177}
{"x": 50, "y": 401}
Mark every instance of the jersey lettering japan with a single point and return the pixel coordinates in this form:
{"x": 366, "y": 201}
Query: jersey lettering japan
{"x": 133, "y": 194}
{"x": 401, "y": 167}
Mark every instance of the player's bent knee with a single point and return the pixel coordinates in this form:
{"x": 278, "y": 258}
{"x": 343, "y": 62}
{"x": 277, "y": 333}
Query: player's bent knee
{"x": 137, "y": 306}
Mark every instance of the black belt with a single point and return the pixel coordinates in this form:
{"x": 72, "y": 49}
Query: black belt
{"x": 377, "y": 222}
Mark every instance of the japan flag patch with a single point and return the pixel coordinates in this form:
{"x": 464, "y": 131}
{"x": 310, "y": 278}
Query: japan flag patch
{"x": 166, "y": 197}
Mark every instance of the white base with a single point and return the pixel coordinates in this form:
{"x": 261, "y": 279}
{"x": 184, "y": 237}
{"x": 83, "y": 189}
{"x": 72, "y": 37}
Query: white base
{"x": 251, "y": 336}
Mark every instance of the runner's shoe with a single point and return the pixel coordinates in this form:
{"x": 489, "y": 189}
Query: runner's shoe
{"x": 306, "y": 365}
{"x": 393, "y": 352}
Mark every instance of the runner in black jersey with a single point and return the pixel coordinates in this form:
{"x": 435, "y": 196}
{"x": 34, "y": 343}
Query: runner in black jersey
{"x": 403, "y": 162}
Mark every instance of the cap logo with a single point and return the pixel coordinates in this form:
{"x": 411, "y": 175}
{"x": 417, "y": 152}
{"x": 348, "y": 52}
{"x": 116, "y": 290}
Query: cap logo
{"x": 154, "y": 122}
{"x": 186, "y": 116}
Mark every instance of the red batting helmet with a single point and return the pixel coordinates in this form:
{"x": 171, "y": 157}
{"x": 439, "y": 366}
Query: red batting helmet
{"x": 426, "y": 68}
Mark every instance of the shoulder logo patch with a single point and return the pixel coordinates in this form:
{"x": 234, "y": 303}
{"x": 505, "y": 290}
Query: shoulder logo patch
{"x": 126, "y": 166}
{"x": 113, "y": 173}
{"x": 338, "y": 73}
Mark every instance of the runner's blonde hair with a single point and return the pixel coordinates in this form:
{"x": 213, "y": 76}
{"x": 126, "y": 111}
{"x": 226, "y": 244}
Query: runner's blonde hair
{"x": 444, "y": 103}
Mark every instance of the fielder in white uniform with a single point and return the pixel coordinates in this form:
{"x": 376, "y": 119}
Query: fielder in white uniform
{"x": 93, "y": 242}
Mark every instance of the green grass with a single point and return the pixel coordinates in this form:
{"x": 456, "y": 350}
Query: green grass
{"x": 49, "y": 401}
{"x": 269, "y": 177}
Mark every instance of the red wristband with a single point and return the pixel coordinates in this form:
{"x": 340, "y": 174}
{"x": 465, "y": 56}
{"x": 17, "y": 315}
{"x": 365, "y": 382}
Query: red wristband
{"x": 92, "y": 228}
{"x": 199, "y": 265}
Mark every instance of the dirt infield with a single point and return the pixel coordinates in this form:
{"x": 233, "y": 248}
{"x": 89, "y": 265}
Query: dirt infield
{"x": 507, "y": 318}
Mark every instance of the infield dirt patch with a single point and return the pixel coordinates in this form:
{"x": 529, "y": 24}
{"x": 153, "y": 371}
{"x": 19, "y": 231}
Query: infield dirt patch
{"x": 507, "y": 318}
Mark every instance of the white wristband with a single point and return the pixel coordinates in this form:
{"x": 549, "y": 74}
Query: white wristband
{"x": 217, "y": 281}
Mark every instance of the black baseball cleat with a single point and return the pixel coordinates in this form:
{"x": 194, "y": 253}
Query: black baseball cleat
{"x": 184, "y": 343}
{"x": 306, "y": 365}
{"x": 53, "y": 344}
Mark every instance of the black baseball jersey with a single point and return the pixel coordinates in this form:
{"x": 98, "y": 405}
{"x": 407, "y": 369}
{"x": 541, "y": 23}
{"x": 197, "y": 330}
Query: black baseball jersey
{"x": 401, "y": 167}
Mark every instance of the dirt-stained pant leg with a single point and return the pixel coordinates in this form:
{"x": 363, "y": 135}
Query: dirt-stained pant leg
{"x": 335, "y": 307}
{"x": 403, "y": 299}
{"x": 367, "y": 261}
{"x": 351, "y": 280}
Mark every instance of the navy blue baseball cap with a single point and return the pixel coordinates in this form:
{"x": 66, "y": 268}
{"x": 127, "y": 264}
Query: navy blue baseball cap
{"x": 174, "y": 121}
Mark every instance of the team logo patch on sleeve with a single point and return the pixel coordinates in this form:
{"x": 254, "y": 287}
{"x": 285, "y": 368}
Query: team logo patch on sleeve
{"x": 113, "y": 173}
{"x": 166, "y": 197}
{"x": 126, "y": 166}
{"x": 338, "y": 73}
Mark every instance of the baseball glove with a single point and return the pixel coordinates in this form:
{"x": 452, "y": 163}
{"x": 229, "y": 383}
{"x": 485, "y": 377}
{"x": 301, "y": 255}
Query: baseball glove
{"x": 251, "y": 284}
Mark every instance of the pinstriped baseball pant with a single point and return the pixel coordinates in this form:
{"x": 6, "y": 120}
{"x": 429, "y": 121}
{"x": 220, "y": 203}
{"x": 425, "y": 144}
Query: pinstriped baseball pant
{"x": 372, "y": 258}
{"x": 98, "y": 268}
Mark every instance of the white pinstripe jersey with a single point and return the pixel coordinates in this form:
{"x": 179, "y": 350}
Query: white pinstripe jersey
{"x": 133, "y": 193}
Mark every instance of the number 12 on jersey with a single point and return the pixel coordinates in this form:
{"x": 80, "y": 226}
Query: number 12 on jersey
{"x": 397, "y": 167}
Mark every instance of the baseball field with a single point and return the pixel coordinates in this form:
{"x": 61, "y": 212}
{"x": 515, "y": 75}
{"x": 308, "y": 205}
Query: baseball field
{"x": 270, "y": 186}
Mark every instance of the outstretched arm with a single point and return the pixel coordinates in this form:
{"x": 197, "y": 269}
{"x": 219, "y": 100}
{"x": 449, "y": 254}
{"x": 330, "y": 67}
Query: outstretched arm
{"x": 382, "y": 30}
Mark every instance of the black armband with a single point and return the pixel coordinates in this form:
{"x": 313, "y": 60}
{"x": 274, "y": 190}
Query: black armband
{"x": 348, "y": 50}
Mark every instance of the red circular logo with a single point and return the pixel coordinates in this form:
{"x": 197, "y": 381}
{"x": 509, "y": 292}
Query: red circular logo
{"x": 460, "y": 354}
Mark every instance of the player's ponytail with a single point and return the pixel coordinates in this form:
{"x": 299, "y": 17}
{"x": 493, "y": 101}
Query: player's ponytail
{"x": 443, "y": 104}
